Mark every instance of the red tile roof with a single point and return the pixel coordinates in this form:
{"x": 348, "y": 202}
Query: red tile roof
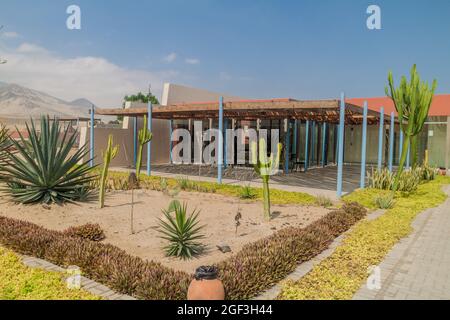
{"x": 439, "y": 107}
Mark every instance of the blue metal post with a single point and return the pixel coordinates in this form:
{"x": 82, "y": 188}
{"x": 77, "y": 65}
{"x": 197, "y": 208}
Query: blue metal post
{"x": 400, "y": 145}
{"x": 287, "y": 146}
{"x": 381, "y": 139}
{"x": 294, "y": 143}
{"x": 220, "y": 153}
{"x": 313, "y": 142}
{"x": 341, "y": 146}
{"x": 324, "y": 144}
{"x": 149, "y": 145}
{"x": 225, "y": 163}
{"x": 307, "y": 146}
{"x": 170, "y": 138}
{"x": 364, "y": 147}
{"x": 135, "y": 133}
{"x": 391, "y": 142}
{"x": 91, "y": 139}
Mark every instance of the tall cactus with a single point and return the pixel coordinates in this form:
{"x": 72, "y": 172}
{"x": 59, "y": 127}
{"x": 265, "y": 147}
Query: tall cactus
{"x": 265, "y": 168}
{"x": 145, "y": 137}
{"x": 109, "y": 154}
{"x": 412, "y": 101}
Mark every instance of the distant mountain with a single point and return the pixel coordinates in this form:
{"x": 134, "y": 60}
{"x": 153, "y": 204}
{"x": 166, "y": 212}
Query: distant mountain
{"x": 82, "y": 103}
{"x": 20, "y": 102}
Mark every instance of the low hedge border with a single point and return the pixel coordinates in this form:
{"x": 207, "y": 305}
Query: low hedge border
{"x": 257, "y": 267}
{"x": 341, "y": 275}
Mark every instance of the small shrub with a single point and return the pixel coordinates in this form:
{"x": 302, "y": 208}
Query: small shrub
{"x": 384, "y": 202}
{"x": 384, "y": 180}
{"x": 409, "y": 181}
{"x": 92, "y": 232}
{"x": 181, "y": 231}
{"x": 247, "y": 193}
{"x": 427, "y": 173}
{"x": 185, "y": 184}
{"x": 381, "y": 179}
{"x": 324, "y": 201}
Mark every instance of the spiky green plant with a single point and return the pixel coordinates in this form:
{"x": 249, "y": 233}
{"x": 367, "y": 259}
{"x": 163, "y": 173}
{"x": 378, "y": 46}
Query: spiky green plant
{"x": 144, "y": 137}
{"x": 265, "y": 168}
{"x": 109, "y": 154}
{"x": 384, "y": 201}
{"x": 5, "y": 142}
{"x": 412, "y": 101}
{"x": 42, "y": 169}
{"x": 247, "y": 193}
{"x": 182, "y": 231}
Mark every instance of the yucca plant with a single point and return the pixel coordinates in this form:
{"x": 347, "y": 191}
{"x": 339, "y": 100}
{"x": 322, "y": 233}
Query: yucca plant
{"x": 385, "y": 201}
{"x": 145, "y": 137}
{"x": 247, "y": 193}
{"x": 109, "y": 154}
{"x": 412, "y": 101}
{"x": 381, "y": 179}
{"x": 42, "y": 170}
{"x": 265, "y": 168}
{"x": 182, "y": 231}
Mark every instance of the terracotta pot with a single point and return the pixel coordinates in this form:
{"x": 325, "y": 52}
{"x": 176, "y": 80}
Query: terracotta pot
{"x": 206, "y": 285}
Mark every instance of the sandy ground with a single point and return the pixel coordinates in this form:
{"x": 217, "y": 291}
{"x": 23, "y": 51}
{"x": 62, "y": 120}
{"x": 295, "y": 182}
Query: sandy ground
{"x": 217, "y": 213}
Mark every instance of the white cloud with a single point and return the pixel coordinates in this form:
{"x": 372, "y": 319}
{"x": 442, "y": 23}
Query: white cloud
{"x": 192, "y": 61}
{"x": 171, "y": 57}
{"x": 10, "y": 34}
{"x": 94, "y": 78}
{"x": 31, "y": 48}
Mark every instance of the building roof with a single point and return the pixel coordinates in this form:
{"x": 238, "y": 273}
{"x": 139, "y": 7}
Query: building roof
{"x": 439, "y": 107}
{"x": 317, "y": 110}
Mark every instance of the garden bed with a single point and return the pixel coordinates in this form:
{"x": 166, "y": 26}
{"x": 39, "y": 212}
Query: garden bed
{"x": 217, "y": 213}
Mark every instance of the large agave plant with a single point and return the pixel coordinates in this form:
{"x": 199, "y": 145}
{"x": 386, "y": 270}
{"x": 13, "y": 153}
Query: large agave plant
{"x": 182, "y": 232}
{"x": 42, "y": 169}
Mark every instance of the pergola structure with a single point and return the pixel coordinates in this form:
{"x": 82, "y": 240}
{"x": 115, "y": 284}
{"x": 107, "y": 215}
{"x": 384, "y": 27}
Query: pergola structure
{"x": 321, "y": 111}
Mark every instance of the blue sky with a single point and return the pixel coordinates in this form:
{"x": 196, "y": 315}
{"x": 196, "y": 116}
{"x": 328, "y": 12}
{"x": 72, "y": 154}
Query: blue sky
{"x": 255, "y": 49}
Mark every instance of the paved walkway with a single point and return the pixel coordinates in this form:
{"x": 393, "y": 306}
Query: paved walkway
{"x": 418, "y": 267}
{"x": 86, "y": 284}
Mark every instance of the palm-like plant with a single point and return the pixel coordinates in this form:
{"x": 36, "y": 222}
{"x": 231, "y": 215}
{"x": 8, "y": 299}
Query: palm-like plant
{"x": 42, "y": 170}
{"x": 182, "y": 231}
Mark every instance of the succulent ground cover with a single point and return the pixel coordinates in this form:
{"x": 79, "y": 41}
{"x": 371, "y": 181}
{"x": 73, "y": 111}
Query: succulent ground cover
{"x": 119, "y": 181}
{"x": 19, "y": 282}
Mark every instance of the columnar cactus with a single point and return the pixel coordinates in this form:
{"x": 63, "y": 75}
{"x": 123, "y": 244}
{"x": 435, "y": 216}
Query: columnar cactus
{"x": 145, "y": 137}
{"x": 110, "y": 153}
{"x": 412, "y": 101}
{"x": 265, "y": 168}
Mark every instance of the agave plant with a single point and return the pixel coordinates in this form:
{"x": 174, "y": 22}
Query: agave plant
{"x": 5, "y": 143}
{"x": 42, "y": 170}
{"x": 182, "y": 231}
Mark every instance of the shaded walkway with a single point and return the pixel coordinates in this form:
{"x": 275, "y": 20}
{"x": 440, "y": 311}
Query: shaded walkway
{"x": 315, "y": 178}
